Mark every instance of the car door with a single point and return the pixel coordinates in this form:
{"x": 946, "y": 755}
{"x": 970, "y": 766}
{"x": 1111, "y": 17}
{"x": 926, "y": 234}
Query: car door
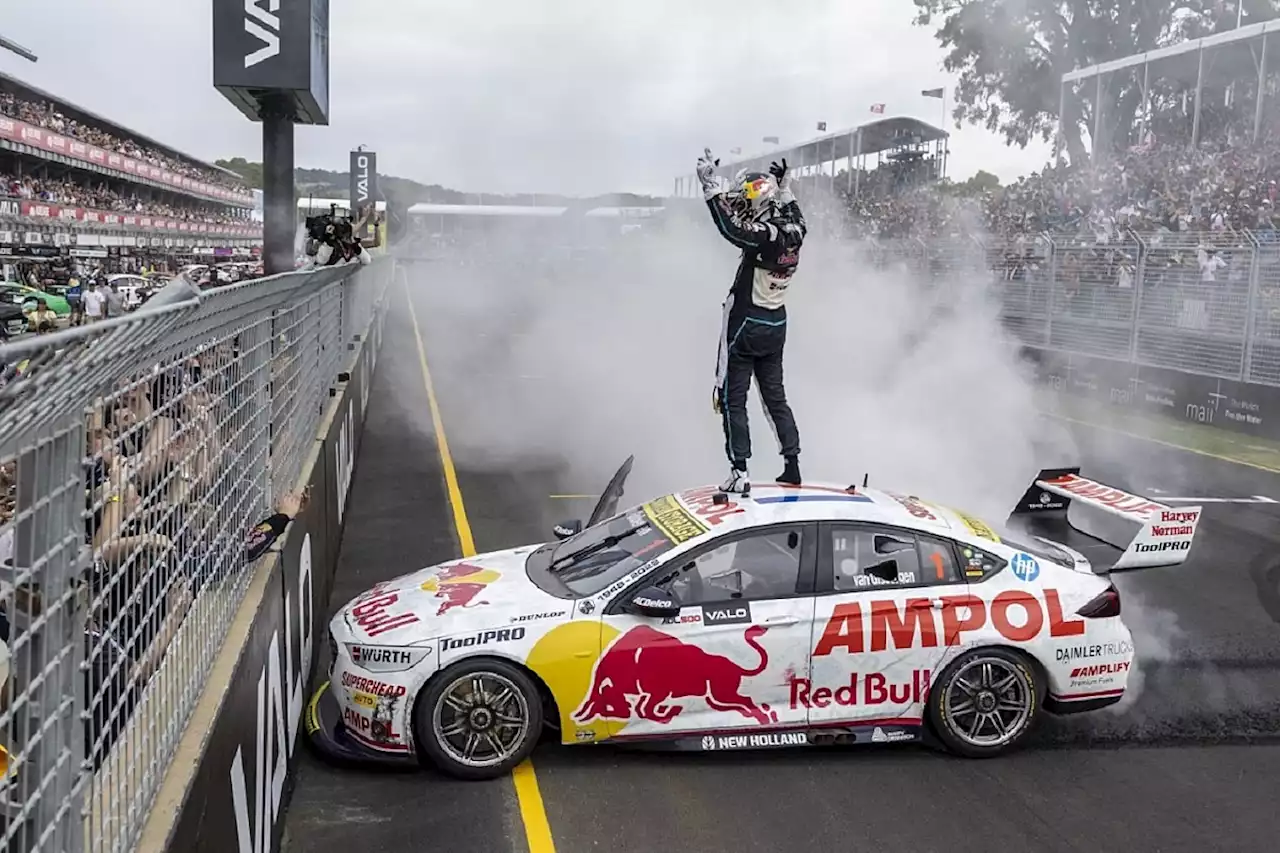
{"x": 723, "y": 663}
{"x": 880, "y": 624}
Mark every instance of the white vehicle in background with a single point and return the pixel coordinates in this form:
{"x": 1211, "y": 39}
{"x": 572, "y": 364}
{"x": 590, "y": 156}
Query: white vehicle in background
{"x": 790, "y": 616}
{"x": 193, "y": 272}
{"x": 130, "y": 287}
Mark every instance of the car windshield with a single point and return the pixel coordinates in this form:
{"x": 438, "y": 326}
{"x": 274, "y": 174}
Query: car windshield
{"x": 598, "y": 556}
{"x": 592, "y": 560}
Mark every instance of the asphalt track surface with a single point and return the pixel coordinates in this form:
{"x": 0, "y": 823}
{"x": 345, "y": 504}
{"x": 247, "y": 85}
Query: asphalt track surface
{"x": 1192, "y": 765}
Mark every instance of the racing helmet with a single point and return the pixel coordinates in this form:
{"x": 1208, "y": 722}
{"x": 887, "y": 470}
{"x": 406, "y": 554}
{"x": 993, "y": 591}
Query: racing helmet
{"x": 755, "y": 193}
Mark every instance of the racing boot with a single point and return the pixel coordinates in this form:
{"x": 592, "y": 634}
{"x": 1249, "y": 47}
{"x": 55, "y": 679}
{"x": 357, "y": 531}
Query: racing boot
{"x": 739, "y": 481}
{"x": 790, "y": 475}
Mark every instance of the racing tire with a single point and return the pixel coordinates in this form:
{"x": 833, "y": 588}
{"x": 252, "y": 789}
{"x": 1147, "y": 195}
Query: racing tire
{"x": 478, "y": 719}
{"x": 985, "y": 703}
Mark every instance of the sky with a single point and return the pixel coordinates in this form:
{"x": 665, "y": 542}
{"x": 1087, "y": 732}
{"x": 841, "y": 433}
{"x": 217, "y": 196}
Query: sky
{"x": 562, "y": 96}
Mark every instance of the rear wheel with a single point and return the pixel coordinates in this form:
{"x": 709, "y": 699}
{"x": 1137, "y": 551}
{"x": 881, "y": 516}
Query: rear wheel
{"x": 985, "y": 702}
{"x": 479, "y": 718}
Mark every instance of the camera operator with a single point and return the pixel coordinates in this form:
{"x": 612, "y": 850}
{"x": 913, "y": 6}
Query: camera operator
{"x": 332, "y": 240}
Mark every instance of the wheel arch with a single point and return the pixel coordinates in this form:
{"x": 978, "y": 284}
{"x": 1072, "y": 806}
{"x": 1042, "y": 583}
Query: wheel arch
{"x": 550, "y": 710}
{"x": 1039, "y": 672}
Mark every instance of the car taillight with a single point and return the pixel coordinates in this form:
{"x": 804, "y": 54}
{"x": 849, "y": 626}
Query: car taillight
{"x": 1106, "y": 603}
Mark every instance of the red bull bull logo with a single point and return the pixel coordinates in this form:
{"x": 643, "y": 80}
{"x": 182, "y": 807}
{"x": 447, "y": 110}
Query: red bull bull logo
{"x": 645, "y": 671}
{"x": 459, "y": 584}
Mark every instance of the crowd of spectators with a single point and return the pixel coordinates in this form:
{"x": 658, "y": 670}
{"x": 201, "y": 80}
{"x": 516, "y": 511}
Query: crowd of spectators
{"x": 46, "y": 115}
{"x": 101, "y": 196}
{"x": 1159, "y": 184}
{"x": 164, "y": 523}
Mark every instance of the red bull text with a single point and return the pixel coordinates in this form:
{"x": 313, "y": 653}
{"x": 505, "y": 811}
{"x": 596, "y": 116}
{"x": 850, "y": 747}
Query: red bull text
{"x": 913, "y": 506}
{"x": 1098, "y": 493}
{"x": 1016, "y": 616}
{"x": 372, "y": 616}
{"x": 872, "y": 689}
{"x": 701, "y": 502}
{"x": 642, "y": 673}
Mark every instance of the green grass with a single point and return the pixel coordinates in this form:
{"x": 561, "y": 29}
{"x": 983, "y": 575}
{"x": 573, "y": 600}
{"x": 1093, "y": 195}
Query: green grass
{"x": 1246, "y": 449}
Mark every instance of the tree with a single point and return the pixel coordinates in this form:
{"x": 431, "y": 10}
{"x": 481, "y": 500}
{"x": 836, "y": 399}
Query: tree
{"x": 251, "y": 172}
{"x": 979, "y": 183}
{"x": 1011, "y": 54}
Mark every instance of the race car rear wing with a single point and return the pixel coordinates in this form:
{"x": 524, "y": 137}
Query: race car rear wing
{"x": 1163, "y": 536}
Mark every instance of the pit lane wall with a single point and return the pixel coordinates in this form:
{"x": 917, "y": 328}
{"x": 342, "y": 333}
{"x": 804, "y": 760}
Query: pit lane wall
{"x": 229, "y": 786}
{"x": 1246, "y": 408}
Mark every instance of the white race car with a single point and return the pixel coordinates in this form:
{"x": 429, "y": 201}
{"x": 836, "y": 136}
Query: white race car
{"x": 788, "y": 617}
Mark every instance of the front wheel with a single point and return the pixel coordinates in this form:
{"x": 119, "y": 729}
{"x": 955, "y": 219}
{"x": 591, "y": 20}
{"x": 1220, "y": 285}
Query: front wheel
{"x": 985, "y": 702}
{"x": 479, "y": 718}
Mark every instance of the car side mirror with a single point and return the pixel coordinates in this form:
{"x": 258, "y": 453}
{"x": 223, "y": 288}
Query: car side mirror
{"x": 653, "y": 601}
{"x": 567, "y": 529}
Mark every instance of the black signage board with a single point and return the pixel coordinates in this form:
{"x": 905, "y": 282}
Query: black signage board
{"x": 264, "y": 48}
{"x": 1229, "y": 404}
{"x": 364, "y": 184}
{"x": 229, "y": 805}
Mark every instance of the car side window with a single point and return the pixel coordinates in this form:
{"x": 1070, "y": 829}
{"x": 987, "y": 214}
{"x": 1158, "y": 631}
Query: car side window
{"x": 872, "y": 557}
{"x": 750, "y": 568}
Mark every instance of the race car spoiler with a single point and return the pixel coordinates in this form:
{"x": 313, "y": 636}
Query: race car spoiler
{"x": 1164, "y": 533}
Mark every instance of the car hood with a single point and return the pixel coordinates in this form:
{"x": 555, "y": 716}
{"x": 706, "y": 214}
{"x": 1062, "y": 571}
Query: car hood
{"x": 461, "y": 595}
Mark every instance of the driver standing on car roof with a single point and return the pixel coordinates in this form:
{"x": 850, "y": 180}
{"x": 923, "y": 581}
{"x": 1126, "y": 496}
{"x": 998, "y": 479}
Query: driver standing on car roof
{"x": 758, "y": 214}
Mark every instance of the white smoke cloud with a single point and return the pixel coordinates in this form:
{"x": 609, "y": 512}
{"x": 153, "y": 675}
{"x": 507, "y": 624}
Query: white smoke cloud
{"x": 907, "y": 380}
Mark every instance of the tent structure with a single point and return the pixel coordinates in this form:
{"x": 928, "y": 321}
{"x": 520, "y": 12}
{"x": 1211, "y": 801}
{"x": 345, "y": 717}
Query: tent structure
{"x": 1217, "y": 59}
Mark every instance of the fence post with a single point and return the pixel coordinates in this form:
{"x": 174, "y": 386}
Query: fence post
{"x": 1251, "y": 309}
{"x": 1139, "y": 280}
{"x": 256, "y": 347}
{"x": 1053, "y": 283}
{"x": 47, "y": 645}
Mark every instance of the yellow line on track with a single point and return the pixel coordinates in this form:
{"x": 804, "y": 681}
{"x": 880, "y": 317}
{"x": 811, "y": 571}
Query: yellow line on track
{"x": 465, "y": 540}
{"x": 537, "y": 828}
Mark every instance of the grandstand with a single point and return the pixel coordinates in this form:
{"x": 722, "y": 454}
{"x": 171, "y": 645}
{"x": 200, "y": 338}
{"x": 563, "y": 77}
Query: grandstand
{"x": 907, "y": 144}
{"x": 75, "y": 185}
{"x": 1215, "y": 70}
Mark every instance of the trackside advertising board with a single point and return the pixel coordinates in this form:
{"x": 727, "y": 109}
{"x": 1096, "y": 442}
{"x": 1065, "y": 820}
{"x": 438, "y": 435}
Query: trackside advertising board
{"x": 1241, "y": 407}
{"x": 241, "y": 788}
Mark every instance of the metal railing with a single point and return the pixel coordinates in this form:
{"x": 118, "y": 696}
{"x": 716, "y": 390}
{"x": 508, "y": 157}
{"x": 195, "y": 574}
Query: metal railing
{"x": 136, "y": 454}
{"x": 1198, "y": 302}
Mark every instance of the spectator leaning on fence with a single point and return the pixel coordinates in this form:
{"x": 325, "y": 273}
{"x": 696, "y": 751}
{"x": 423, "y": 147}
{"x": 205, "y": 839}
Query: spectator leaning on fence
{"x": 154, "y": 536}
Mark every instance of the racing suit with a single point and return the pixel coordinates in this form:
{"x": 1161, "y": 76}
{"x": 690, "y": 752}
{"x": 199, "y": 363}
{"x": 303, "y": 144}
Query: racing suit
{"x": 754, "y": 325}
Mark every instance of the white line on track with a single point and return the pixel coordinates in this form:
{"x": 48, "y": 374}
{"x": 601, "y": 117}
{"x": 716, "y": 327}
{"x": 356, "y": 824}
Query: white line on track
{"x": 1256, "y": 499}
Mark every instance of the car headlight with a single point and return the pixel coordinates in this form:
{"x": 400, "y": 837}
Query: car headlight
{"x": 387, "y": 658}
